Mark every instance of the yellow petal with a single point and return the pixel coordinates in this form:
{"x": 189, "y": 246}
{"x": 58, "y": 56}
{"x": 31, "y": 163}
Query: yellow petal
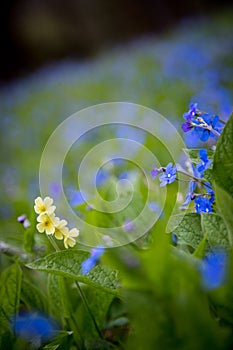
{"x": 58, "y": 235}
{"x": 72, "y": 242}
{"x": 74, "y": 232}
{"x": 39, "y": 201}
{"x": 40, "y": 227}
{"x": 48, "y": 201}
{"x": 50, "y": 230}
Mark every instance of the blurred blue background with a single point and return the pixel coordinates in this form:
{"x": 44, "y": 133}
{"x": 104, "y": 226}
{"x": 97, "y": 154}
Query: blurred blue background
{"x": 59, "y": 57}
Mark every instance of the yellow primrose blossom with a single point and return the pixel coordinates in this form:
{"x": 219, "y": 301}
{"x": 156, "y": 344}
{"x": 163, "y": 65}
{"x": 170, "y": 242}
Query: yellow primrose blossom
{"x": 69, "y": 241}
{"x": 47, "y": 223}
{"x": 60, "y": 229}
{"x": 44, "y": 206}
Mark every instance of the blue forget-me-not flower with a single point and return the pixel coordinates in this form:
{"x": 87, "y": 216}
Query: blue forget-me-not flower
{"x": 213, "y": 269}
{"x": 168, "y": 176}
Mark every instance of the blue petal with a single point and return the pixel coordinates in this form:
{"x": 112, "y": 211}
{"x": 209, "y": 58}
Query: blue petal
{"x": 32, "y": 325}
{"x": 87, "y": 265}
{"x": 205, "y": 135}
{"x": 203, "y": 154}
{"x": 214, "y": 269}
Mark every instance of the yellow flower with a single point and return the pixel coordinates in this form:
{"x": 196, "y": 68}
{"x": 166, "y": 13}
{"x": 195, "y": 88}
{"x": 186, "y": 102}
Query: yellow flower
{"x": 69, "y": 241}
{"x": 60, "y": 229}
{"x": 47, "y": 223}
{"x": 44, "y": 206}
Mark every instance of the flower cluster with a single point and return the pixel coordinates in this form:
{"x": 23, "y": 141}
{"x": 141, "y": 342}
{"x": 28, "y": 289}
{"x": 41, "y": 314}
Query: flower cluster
{"x": 51, "y": 224}
{"x": 203, "y": 201}
{"x": 203, "y": 124}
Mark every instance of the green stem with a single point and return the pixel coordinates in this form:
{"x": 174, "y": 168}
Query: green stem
{"x": 216, "y": 133}
{"x": 194, "y": 178}
{"x": 54, "y": 244}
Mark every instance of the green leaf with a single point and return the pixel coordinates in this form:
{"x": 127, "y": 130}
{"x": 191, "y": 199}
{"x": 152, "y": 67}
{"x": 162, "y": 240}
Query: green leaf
{"x": 10, "y": 285}
{"x": 60, "y": 342}
{"x": 55, "y": 298}
{"x": 99, "y": 303}
{"x": 223, "y": 158}
{"x": 189, "y": 230}
{"x": 224, "y": 203}
{"x": 216, "y": 228}
{"x": 68, "y": 264}
{"x": 201, "y": 248}
{"x": 33, "y": 297}
{"x": 60, "y": 304}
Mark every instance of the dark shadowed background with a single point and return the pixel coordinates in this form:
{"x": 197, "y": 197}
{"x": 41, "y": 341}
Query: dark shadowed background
{"x": 35, "y": 32}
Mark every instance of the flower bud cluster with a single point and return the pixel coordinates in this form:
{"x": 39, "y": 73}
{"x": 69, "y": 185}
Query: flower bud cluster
{"x": 51, "y": 224}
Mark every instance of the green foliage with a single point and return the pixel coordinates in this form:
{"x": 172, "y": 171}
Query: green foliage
{"x": 223, "y": 159}
{"x": 172, "y": 310}
{"x": 33, "y": 297}
{"x": 10, "y": 284}
{"x": 189, "y": 230}
{"x": 215, "y": 226}
{"x": 225, "y": 204}
{"x": 68, "y": 264}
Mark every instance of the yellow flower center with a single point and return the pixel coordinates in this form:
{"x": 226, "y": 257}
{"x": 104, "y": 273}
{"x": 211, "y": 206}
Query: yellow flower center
{"x": 42, "y": 208}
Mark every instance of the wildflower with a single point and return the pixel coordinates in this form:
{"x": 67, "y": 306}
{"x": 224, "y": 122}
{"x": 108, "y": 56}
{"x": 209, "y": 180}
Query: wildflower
{"x": 33, "y": 327}
{"x": 192, "y": 185}
{"x": 213, "y": 269}
{"x": 44, "y": 206}
{"x": 210, "y": 191}
{"x": 203, "y": 204}
{"x": 168, "y": 176}
{"x": 189, "y": 117}
{"x": 190, "y": 197}
{"x": 69, "y": 240}
{"x": 204, "y": 163}
{"x": 22, "y": 219}
{"x": 47, "y": 223}
{"x": 89, "y": 263}
{"x": 207, "y": 126}
{"x": 155, "y": 171}
{"x": 128, "y": 226}
{"x": 61, "y": 229}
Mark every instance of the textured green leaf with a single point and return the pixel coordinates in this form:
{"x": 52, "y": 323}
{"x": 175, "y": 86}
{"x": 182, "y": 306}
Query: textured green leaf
{"x": 189, "y": 230}
{"x": 33, "y": 297}
{"x": 68, "y": 264}
{"x": 223, "y": 158}
{"x": 201, "y": 248}
{"x": 225, "y": 205}
{"x": 216, "y": 228}
{"x": 10, "y": 285}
